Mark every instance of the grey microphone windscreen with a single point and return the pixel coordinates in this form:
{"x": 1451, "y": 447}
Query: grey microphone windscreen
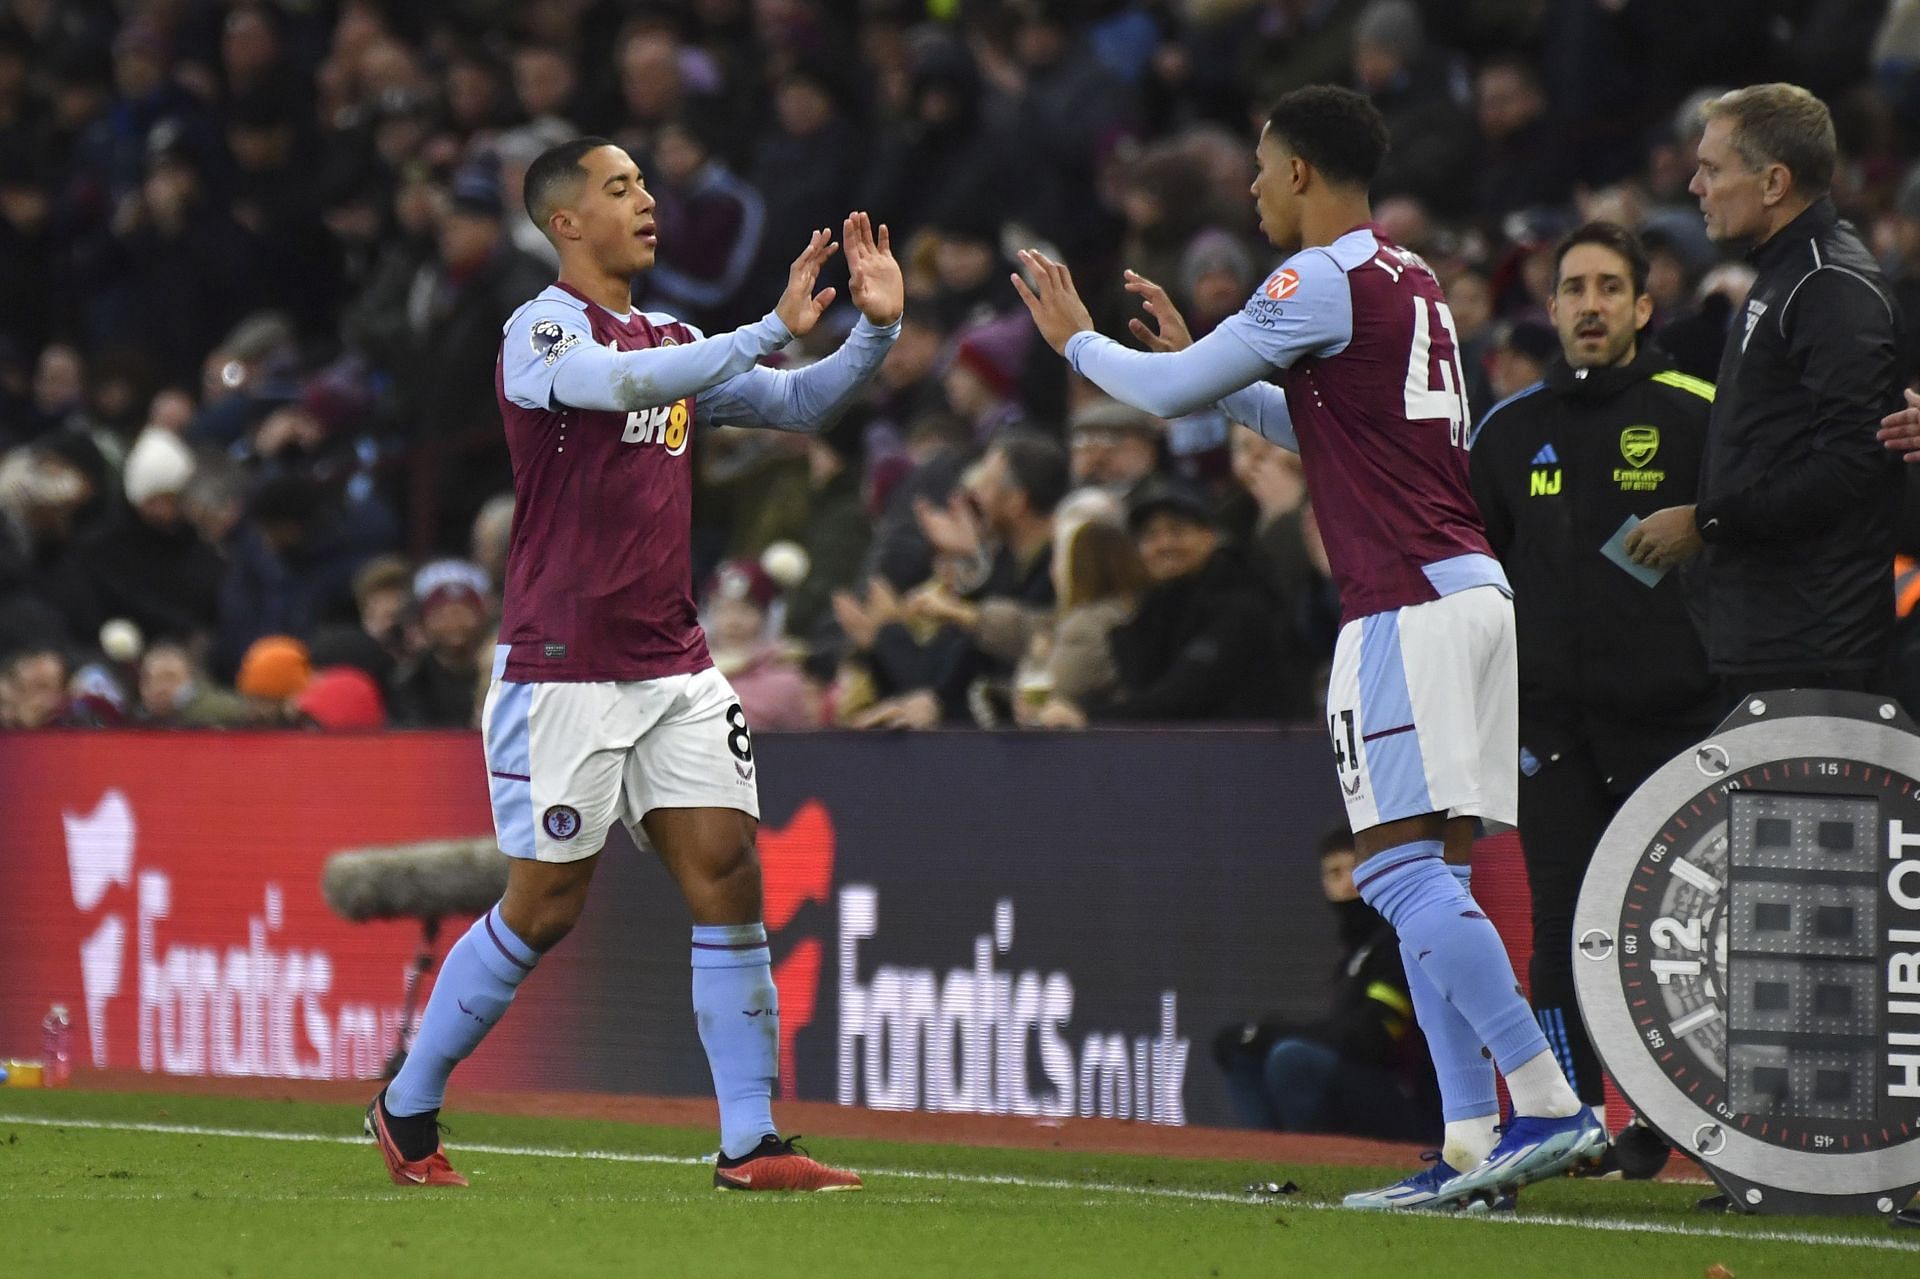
{"x": 415, "y": 881}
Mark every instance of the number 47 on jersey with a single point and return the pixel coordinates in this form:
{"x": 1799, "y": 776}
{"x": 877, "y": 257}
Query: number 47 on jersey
{"x": 1436, "y": 387}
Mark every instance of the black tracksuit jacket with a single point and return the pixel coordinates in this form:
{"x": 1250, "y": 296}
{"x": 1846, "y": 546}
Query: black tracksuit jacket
{"x": 1798, "y": 500}
{"x": 1556, "y": 470}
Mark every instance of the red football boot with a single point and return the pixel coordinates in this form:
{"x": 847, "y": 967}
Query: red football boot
{"x": 434, "y": 1170}
{"x": 777, "y": 1164}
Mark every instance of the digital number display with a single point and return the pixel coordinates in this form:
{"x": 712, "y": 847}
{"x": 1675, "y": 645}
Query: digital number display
{"x": 1803, "y": 971}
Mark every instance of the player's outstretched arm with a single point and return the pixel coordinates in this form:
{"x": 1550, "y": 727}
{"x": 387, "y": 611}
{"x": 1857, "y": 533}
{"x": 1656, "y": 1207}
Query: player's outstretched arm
{"x": 1163, "y": 383}
{"x": 1262, "y": 407}
{"x": 808, "y": 399}
{"x": 552, "y": 340}
{"x": 551, "y": 358}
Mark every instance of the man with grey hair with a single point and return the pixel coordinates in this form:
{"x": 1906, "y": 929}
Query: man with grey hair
{"x": 1797, "y": 500}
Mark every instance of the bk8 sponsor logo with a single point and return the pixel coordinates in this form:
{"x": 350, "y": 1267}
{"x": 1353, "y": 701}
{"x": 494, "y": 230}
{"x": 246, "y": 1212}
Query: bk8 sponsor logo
{"x": 665, "y": 426}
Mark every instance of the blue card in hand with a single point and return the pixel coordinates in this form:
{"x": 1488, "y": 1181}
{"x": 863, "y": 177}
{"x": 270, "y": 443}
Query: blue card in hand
{"x": 1616, "y": 550}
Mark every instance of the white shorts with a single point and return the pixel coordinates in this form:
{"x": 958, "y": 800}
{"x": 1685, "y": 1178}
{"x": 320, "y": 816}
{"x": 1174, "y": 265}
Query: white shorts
{"x": 565, "y": 760}
{"x": 1424, "y": 709}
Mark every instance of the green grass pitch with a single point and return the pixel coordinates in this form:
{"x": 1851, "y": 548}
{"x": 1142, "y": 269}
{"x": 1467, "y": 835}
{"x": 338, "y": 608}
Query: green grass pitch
{"x": 107, "y": 1185}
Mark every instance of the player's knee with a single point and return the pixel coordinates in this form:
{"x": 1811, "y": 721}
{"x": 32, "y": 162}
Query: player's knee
{"x": 740, "y": 866}
{"x": 549, "y": 922}
{"x": 733, "y": 875}
{"x": 541, "y": 910}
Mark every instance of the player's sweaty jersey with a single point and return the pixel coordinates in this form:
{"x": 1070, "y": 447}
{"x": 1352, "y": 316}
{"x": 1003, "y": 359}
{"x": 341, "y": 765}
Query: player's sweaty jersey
{"x": 599, "y": 567}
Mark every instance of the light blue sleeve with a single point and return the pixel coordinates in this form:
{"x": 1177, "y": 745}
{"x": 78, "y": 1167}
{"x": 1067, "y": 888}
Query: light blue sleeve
{"x": 1263, "y": 407}
{"x": 802, "y": 399}
{"x": 539, "y": 337}
{"x": 1303, "y": 309}
{"x": 549, "y": 357}
{"x": 1167, "y": 383}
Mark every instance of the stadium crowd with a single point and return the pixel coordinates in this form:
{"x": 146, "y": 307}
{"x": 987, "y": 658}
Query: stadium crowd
{"x": 256, "y": 256}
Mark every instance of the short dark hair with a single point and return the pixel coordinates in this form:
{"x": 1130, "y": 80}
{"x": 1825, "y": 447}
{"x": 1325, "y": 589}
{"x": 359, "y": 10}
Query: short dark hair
{"x": 552, "y": 171}
{"x": 1037, "y": 466}
{"x": 1608, "y": 235}
{"x": 1339, "y": 132}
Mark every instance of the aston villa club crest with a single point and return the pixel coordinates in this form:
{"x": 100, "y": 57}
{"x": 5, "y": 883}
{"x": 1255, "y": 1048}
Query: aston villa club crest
{"x": 562, "y": 822}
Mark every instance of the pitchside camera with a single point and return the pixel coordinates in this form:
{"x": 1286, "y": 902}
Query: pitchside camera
{"x": 1748, "y": 954}
{"x": 423, "y": 881}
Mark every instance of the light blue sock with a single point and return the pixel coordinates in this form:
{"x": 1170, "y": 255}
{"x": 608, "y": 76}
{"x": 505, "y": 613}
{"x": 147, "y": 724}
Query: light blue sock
{"x": 1462, "y": 1066}
{"x": 1460, "y": 1063}
{"x": 475, "y": 985}
{"x": 1454, "y": 945}
{"x": 738, "y": 1010}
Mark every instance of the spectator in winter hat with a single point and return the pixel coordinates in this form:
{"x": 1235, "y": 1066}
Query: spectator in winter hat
{"x": 436, "y": 688}
{"x": 341, "y": 697}
{"x": 1216, "y": 274}
{"x": 983, "y": 381}
{"x": 157, "y": 469}
{"x": 274, "y": 671}
{"x": 154, "y": 568}
{"x": 1115, "y": 446}
{"x": 742, "y": 626}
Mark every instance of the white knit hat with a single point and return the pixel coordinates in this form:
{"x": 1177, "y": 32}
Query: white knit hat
{"x": 159, "y": 462}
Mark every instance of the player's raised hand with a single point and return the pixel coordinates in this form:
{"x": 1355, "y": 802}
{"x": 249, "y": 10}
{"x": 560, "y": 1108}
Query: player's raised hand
{"x": 1900, "y": 431}
{"x": 800, "y": 308}
{"x": 1171, "y": 332}
{"x": 874, "y": 277}
{"x": 1057, "y": 309}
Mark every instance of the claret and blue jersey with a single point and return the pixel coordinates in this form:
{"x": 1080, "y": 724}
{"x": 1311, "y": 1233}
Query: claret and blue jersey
{"x": 1346, "y": 354}
{"x": 598, "y": 579}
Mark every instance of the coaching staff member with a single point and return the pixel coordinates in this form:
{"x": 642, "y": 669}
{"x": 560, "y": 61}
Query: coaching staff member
{"x": 1798, "y": 499}
{"x": 1613, "y": 678}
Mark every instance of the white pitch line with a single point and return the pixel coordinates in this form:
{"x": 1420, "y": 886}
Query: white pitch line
{"x": 1633, "y": 1226}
